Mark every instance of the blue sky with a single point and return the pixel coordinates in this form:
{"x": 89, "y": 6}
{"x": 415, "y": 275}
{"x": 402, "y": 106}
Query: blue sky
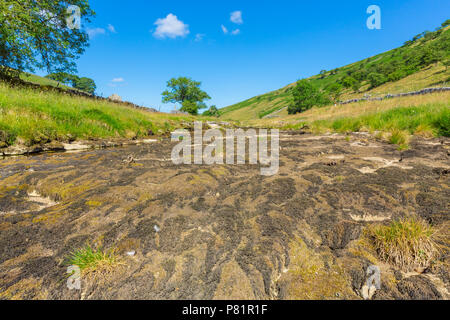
{"x": 278, "y": 42}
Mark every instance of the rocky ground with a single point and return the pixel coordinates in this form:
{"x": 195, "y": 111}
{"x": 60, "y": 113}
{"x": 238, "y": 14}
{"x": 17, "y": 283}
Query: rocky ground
{"x": 221, "y": 232}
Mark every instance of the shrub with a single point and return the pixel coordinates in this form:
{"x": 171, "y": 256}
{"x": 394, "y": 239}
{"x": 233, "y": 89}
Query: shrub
{"x": 397, "y": 75}
{"x": 407, "y": 243}
{"x": 306, "y": 96}
{"x": 376, "y": 79}
{"x": 212, "y": 112}
{"x": 359, "y": 75}
{"x": 334, "y": 90}
{"x": 399, "y": 138}
{"x": 442, "y": 123}
{"x": 349, "y": 82}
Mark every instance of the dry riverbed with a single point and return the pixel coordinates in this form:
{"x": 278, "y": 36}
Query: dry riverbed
{"x": 221, "y": 232}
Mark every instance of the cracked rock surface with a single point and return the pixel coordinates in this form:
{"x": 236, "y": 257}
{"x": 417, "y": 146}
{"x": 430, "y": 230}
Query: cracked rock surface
{"x": 221, "y": 231}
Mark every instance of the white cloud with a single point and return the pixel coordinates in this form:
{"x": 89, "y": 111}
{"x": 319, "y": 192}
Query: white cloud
{"x": 236, "y": 17}
{"x": 118, "y": 80}
{"x": 111, "y": 28}
{"x": 199, "y": 37}
{"x": 224, "y": 29}
{"x": 95, "y": 32}
{"x": 170, "y": 27}
{"x": 236, "y": 32}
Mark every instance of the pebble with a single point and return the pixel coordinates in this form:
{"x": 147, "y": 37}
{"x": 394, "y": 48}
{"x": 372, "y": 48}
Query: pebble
{"x": 131, "y": 253}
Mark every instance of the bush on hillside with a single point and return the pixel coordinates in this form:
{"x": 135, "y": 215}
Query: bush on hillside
{"x": 334, "y": 91}
{"x": 212, "y": 112}
{"x": 306, "y": 96}
{"x": 376, "y": 79}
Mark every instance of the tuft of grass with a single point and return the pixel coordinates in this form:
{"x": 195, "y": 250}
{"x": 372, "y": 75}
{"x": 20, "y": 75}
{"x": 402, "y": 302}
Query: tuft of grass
{"x": 407, "y": 243}
{"x": 425, "y": 131}
{"x": 442, "y": 123}
{"x": 400, "y": 138}
{"x": 91, "y": 260}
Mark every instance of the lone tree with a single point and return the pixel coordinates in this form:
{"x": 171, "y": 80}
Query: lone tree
{"x": 306, "y": 96}
{"x": 85, "y": 84}
{"x": 36, "y": 34}
{"x": 186, "y": 92}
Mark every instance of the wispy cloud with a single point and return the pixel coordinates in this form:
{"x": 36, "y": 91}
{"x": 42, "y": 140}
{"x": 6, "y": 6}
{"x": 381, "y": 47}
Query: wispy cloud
{"x": 236, "y": 32}
{"x": 95, "y": 32}
{"x": 224, "y": 29}
{"x": 236, "y": 17}
{"x": 199, "y": 37}
{"x": 118, "y": 80}
{"x": 111, "y": 28}
{"x": 170, "y": 27}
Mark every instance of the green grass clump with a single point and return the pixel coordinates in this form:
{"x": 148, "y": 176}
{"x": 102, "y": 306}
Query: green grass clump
{"x": 407, "y": 243}
{"x": 442, "y": 123}
{"x": 399, "y": 138}
{"x": 90, "y": 260}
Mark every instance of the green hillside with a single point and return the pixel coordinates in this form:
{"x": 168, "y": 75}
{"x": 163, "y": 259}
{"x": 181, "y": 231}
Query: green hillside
{"x": 33, "y": 116}
{"x": 42, "y": 81}
{"x": 421, "y": 62}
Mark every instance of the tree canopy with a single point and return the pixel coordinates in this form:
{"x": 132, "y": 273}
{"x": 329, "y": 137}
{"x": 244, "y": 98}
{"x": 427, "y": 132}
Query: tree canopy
{"x": 85, "y": 84}
{"x": 306, "y": 96}
{"x": 35, "y": 34}
{"x": 184, "y": 89}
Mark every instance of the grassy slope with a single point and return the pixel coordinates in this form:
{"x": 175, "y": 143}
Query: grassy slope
{"x": 32, "y": 116}
{"x": 432, "y": 75}
{"x": 42, "y": 81}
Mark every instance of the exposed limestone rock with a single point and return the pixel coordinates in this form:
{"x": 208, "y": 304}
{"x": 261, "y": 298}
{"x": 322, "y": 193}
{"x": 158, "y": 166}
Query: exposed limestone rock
{"x": 115, "y": 97}
{"x": 220, "y": 231}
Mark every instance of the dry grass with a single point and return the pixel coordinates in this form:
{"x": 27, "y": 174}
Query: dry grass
{"x": 408, "y": 243}
{"x": 400, "y": 138}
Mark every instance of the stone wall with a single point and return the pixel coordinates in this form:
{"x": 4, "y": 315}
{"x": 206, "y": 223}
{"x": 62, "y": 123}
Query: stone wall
{"x": 389, "y": 96}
